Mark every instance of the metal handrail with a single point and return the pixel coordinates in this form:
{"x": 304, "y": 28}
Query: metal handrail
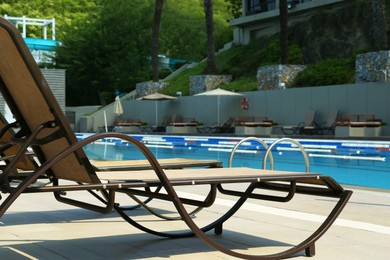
{"x": 261, "y": 141}
{"x": 301, "y": 148}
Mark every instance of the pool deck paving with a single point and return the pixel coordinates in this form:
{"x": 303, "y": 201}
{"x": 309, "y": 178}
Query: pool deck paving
{"x": 38, "y": 227}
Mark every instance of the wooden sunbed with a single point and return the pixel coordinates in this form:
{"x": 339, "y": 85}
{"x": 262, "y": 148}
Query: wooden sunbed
{"x": 306, "y": 127}
{"x": 62, "y": 159}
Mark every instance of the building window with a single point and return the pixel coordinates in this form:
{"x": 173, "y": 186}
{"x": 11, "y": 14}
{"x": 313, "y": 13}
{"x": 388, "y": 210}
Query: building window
{"x": 259, "y": 6}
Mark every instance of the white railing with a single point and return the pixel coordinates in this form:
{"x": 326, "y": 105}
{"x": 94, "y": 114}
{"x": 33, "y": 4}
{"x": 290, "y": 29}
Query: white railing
{"x": 25, "y": 21}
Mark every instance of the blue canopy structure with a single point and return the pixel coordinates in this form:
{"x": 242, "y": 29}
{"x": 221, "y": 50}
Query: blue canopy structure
{"x": 41, "y": 44}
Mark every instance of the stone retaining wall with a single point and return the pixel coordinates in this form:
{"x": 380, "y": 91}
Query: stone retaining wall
{"x": 149, "y": 87}
{"x": 373, "y": 67}
{"x": 202, "y": 83}
{"x": 277, "y": 76}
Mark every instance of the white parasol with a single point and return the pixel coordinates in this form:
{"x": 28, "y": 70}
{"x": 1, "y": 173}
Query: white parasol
{"x": 218, "y": 92}
{"x": 118, "y": 109}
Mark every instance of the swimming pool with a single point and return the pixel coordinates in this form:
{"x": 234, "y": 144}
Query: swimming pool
{"x": 360, "y": 163}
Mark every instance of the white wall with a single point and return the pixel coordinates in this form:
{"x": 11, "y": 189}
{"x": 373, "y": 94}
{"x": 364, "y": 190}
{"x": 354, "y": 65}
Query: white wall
{"x": 283, "y": 106}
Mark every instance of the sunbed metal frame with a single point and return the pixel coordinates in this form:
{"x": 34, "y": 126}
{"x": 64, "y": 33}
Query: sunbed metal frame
{"x": 45, "y": 129}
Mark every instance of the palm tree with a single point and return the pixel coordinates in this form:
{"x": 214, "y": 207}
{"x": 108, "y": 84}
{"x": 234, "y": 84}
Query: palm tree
{"x": 379, "y": 24}
{"x": 283, "y": 16}
{"x": 155, "y": 38}
{"x": 211, "y": 68}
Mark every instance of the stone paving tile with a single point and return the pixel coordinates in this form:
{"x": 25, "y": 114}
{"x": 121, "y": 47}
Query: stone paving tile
{"x": 39, "y": 227}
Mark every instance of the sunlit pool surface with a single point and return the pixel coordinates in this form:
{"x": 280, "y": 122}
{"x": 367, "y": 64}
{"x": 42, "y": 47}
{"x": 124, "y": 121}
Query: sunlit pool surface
{"x": 359, "y": 163}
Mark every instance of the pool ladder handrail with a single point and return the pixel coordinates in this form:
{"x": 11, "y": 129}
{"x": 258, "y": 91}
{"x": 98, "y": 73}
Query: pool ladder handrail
{"x": 268, "y": 152}
{"x": 259, "y": 140}
{"x": 293, "y": 141}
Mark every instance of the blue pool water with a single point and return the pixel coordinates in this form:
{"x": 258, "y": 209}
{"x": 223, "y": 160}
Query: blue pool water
{"x": 359, "y": 163}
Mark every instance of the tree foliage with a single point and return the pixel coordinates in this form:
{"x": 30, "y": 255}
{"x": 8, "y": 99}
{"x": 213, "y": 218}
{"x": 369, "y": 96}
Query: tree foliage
{"x": 68, "y": 13}
{"x": 234, "y": 7}
{"x": 105, "y": 44}
{"x": 108, "y": 53}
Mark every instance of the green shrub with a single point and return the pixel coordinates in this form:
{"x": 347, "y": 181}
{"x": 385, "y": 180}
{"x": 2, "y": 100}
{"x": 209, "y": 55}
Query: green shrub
{"x": 328, "y": 72}
{"x": 164, "y": 73}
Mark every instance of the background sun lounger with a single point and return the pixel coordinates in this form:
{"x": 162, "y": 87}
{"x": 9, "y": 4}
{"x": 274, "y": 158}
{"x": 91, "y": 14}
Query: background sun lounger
{"x": 330, "y": 124}
{"x": 306, "y": 127}
{"x": 161, "y": 127}
{"x": 225, "y": 127}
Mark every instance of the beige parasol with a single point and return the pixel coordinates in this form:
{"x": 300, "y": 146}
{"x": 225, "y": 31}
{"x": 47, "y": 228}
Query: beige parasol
{"x": 157, "y": 97}
{"x": 218, "y": 92}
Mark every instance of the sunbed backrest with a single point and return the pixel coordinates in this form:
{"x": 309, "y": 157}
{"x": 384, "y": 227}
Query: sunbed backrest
{"x": 31, "y": 101}
{"x": 332, "y": 118}
{"x": 229, "y": 122}
{"x": 309, "y": 120}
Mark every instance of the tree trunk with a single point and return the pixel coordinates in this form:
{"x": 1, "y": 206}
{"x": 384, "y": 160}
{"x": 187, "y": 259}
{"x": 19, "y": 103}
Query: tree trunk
{"x": 211, "y": 68}
{"x": 379, "y": 24}
{"x": 283, "y": 16}
{"x": 155, "y": 39}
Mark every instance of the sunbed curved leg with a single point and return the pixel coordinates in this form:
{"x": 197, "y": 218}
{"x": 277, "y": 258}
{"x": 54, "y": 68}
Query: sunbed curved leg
{"x": 154, "y": 212}
{"x": 217, "y": 224}
{"x": 140, "y": 202}
{"x": 306, "y": 245}
{"x": 15, "y": 193}
{"x": 208, "y": 201}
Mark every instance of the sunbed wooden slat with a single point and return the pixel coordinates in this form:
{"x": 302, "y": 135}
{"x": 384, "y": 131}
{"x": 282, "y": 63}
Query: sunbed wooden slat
{"x": 200, "y": 174}
{"x": 168, "y": 163}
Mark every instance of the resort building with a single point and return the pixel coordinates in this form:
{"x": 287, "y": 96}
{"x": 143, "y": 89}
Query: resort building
{"x": 261, "y": 17}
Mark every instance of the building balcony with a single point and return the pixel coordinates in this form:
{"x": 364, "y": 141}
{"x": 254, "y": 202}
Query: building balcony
{"x": 258, "y": 20}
